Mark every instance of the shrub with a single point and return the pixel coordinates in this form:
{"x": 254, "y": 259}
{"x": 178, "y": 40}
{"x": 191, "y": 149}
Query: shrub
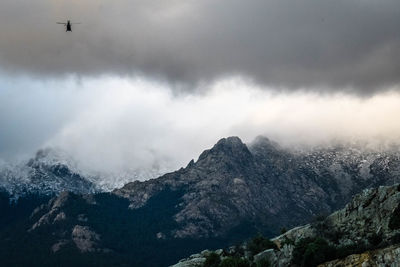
{"x": 395, "y": 239}
{"x": 283, "y": 230}
{"x": 320, "y": 217}
{"x": 394, "y": 221}
{"x": 375, "y": 239}
{"x": 344, "y": 251}
{"x": 260, "y": 243}
{"x": 263, "y": 263}
{"x": 312, "y": 251}
{"x": 212, "y": 260}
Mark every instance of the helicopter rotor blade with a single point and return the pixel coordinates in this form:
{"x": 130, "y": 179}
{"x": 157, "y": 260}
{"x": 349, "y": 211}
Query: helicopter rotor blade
{"x": 61, "y": 23}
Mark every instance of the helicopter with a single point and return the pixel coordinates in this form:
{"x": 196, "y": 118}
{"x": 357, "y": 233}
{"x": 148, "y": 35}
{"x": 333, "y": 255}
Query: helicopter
{"x": 68, "y": 25}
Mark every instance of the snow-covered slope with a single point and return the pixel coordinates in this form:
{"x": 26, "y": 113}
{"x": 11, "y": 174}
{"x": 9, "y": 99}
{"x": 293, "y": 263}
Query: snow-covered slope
{"x": 52, "y": 171}
{"x": 49, "y": 172}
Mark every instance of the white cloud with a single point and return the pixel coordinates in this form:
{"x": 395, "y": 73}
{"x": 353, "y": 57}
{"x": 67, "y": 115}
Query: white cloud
{"x": 114, "y": 124}
{"x": 140, "y": 124}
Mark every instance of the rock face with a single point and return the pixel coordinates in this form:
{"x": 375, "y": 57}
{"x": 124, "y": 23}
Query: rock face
{"x": 84, "y": 238}
{"x": 58, "y": 215}
{"x": 370, "y": 221}
{"x": 373, "y": 212}
{"x": 381, "y": 257}
{"x": 263, "y": 184}
{"x": 53, "y": 211}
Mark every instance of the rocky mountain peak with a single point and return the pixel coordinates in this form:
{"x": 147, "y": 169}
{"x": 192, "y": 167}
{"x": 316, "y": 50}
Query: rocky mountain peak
{"x": 52, "y": 156}
{"x": 232, "y": 141}
{"x": 226, "y": 149}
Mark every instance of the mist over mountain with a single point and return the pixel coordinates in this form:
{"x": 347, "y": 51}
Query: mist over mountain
{"x": 49, "y": 172}
{"x": 266, "y": 184}
{"x": 124, "y": 125}
{"x": 230, "y": 193}
{"x": 52, "y": 171}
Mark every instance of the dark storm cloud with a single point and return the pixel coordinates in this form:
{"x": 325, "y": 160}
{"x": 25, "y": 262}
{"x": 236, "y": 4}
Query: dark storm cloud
{"x": 337, "y": 45}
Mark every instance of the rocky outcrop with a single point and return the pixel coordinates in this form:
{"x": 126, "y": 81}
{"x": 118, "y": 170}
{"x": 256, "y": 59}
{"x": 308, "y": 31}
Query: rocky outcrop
{"x": 369, "y": 213}
{"x": 58, "y": 215}
{"x": 53, "y": 208}
{"x": 85, "y": 239}
{"x": 370, "y": 221}
{"x": 53, "y": 212}
{"x": 381, "y": 257}
{"x": 197, "y": 260}
{"x": 59, "y": 245}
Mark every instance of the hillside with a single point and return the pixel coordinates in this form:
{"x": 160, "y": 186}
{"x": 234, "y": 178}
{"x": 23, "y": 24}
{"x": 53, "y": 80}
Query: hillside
{"x": 364, "y": 233}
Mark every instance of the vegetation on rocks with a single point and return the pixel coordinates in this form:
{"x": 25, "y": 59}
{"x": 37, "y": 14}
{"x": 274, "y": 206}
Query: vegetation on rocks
{"x": 394, "y": 222}
{"x": 366, "y": 226}
{"x": 312, "y": 251}
{"x": 260, "y": 243}
{"x": 214, "y": 260}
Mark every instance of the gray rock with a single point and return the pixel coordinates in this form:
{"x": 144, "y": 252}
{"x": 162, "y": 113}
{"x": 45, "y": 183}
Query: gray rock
{"x": 57, "y": 246}
{"x": 85, "y": 239}
{"x": 382, "y": 257}
{"x": 60, "y": 217}
{"x": 160, "y": 235}
{"x": 266, "y": 254}
{"x": 54, "y": 211}
{"x": 193, "y": 261}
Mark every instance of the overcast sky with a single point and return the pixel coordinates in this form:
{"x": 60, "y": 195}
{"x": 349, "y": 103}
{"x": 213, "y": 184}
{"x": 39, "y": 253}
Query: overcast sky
{"x": 144, "y": 82}
{"x": 332, "y": 45}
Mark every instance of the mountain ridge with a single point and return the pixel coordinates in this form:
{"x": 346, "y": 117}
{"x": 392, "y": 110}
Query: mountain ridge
{"x": 263, "y": 178}
{"x": 231, "y": 192}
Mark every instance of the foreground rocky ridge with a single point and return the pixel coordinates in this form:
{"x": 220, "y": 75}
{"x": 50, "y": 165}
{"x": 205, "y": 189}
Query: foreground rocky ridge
{"x": 368, "y": 225}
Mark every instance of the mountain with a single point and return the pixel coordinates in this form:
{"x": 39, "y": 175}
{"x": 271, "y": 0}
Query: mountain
{"x": 364, "y": 233}
{"x": 265, "y": 186}
{"x": 50, "y": 172}
{"x": 232, "y": 192}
